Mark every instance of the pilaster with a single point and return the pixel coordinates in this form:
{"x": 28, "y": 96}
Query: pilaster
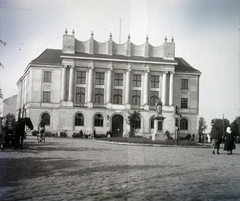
{"x": 128, "y": 86}
{"x": 71, "y": 79}
{"x": 164, "y": 79}
{"x": 63, "y": 83}
{"x": 90, "y": 85}
{"x": 171, "y": 89}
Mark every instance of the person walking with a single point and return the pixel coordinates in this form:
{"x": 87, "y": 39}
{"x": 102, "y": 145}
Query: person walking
{"x": 41, "y": 128}
{"x": 229, "y": 142}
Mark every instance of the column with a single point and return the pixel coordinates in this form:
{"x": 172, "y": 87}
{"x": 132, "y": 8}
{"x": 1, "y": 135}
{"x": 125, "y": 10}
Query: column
{"x": 63, "y": 83}
{"x": 90, "y": 83}
{"x": 109, "y": 84}
{"x": 128, "y": 85}
{"x": 70, "y": 89}
{"x": 146, "y": 87}
{"x": 164, "y": 79}
{"x": 171, "y": 89}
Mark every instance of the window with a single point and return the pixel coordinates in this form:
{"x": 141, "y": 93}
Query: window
{"x": 47, "y": 76}
{"x": 46, "y": 96}
{"x": 79, "y": 120}
{"x": 137, "y": 122}
{"x": 117, "y": 97}
{"x": 136, "y": 81}
{"x": 184, "y": 124}
{"x": 99, "y": 78}
{"x": 81, "y": 77}
{"x": 152, "y": 123}
{"x": 99, "y": 96}
{"x": 80, "y": 95}
{"x": 184, "y": 103}
{"x": 46, "y": 118}
{"x": 154, "y": 81}
{"x": 159, "y": 125}
{"x": 153, "y": 97}
{"x": 118, "y": 79}
{"x": 98, "y": 120}
{"x": 136, "y": 94}
{"x": 184, "y": 84}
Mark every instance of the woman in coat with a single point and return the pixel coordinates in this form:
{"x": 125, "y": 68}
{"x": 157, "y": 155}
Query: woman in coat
{"x": 229, "y": 142}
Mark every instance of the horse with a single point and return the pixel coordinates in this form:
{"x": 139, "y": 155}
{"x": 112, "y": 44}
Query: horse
{"x": 2, "y": 130}
{"x": 20, "y": 131}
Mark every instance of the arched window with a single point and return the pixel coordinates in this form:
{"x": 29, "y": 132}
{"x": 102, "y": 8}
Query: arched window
{"x": 117, "y": 97}
{"x": 136, "y": 95}
{"x": 79, "y": 120}
{"x": 137, "y": 122}
{"x": 80, "y": 95}
{"x": 184, "y": 124}
{"x": 98, "y": 120}
{"x": 46, "y": 118}
{"x": 154, "y": 97}
{"x": 99, "y": 96}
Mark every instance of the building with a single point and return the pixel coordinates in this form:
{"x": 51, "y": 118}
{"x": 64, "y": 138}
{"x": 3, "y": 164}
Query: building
{"x": 8, "y": 105}
{"x": 91, "y": 85}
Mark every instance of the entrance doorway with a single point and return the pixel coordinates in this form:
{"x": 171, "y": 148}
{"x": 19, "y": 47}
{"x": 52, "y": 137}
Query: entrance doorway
{"x": 117, "y": 126}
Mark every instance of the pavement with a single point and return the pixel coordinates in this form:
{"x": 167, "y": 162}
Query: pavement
{"x": 87, "y": 169}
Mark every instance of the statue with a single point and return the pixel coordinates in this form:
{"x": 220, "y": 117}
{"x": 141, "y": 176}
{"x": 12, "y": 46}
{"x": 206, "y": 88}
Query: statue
{"x": 159, "y": 106}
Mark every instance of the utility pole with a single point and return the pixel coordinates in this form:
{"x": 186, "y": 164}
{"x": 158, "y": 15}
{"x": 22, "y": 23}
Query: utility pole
{"x": 223, "y": 125}
{"x": 120, "y": 32}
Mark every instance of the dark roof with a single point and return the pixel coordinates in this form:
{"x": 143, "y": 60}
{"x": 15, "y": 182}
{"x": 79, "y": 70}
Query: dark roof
{"x": 183, "y": 66}
{"x": 49, "y": 56}
{"x": 52, "y": 56}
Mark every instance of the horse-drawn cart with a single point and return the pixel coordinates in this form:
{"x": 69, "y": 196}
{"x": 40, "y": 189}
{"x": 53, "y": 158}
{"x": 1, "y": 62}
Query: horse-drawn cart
{"x": 7, "y": 129}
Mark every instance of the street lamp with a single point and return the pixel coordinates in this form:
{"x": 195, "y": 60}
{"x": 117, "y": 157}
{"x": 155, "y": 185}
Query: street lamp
{"x": 176, "y": 117}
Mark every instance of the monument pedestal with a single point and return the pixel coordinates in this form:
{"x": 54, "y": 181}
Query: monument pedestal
{"x": 159, "y": 135}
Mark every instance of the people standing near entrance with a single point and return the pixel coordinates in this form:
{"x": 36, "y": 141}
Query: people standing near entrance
{"x": 229, "y": 142}
{"x": 94, "y": 133}
{"x": 81, "y": 133}
{"x": 41, "y": 128}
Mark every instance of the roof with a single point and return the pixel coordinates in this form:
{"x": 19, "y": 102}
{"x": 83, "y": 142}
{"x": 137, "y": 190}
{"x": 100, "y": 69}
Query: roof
{"x": 49, "y": 56}
{"x": 183, "y": 66}
{"x": 53, "y": 57}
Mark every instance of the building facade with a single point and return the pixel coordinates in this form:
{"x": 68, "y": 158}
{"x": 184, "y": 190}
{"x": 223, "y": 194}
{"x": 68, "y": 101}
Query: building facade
{"x": 8, "y": 105}
{"x": 90, "y": 85}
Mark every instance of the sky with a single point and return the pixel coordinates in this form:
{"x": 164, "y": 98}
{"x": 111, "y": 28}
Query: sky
{"x": 206, "y": 34}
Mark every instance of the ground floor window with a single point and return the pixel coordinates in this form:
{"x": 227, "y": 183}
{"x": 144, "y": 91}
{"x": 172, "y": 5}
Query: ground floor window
{"x": 98, "y": 121}
{"x": 137, "y": 122}
{"x": 160, "y": 125}
{"x": 152, "y": 123}
{"x": 46, "y": 118}
{"x": 184, "y": 124}
{"x": 79, "y": 120}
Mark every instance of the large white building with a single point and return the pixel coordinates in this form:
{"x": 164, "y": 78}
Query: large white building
{"x": 91, "y": 85}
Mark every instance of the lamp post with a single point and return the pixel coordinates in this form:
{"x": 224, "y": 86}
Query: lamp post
{"x": 176, "y": 117}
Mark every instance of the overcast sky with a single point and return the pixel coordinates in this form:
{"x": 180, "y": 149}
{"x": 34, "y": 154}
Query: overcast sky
{"x": 206, "y": 34}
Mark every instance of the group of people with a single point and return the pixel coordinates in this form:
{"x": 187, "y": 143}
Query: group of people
{"x": 229, "y": 144}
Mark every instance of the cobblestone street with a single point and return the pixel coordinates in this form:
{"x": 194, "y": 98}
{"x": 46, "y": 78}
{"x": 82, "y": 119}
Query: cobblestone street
{"x": 85, "y": 169}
